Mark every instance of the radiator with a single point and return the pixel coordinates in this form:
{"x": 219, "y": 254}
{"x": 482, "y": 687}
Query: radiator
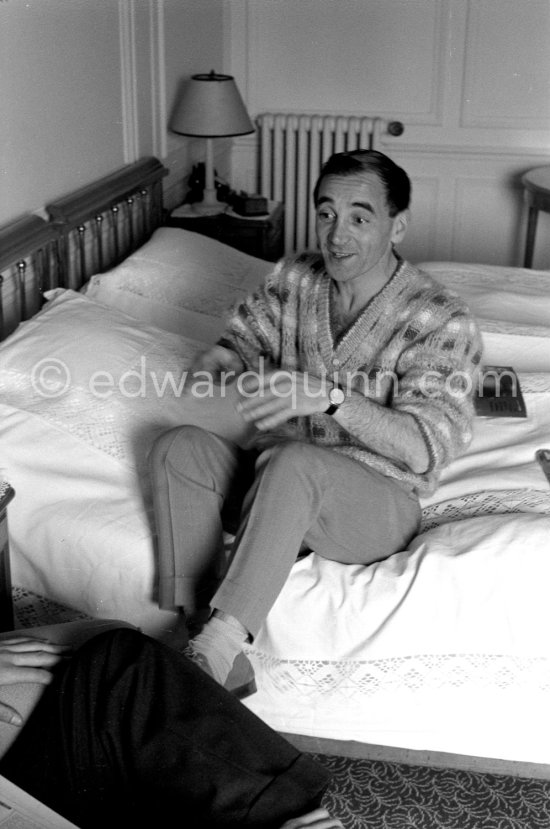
{"x": 291, "y": 151}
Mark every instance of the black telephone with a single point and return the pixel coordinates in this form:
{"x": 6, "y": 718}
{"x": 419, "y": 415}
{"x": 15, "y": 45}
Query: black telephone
{"x": 195, "y": 180}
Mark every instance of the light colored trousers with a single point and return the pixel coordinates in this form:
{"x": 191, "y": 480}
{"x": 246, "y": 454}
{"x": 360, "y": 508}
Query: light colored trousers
{"x": 291, "y": 496}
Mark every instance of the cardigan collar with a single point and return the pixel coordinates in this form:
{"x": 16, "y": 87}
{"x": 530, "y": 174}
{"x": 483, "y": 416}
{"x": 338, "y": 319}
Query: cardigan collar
{"x": 338, "y": 353}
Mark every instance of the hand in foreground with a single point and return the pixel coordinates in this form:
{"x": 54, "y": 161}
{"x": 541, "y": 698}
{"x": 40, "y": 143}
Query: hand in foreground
{"x": 217, "y": 365}
{"x": 270, "y": 398}
{"x": 26, "y": 659}
{"x": 319, "y": 819}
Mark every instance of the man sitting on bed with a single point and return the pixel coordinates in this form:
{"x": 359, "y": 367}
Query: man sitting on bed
{"x": 355, "y": 369}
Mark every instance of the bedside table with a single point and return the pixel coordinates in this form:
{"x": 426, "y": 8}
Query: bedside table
{"x": 260, "y": 236}
{"x": 6, "y": 601}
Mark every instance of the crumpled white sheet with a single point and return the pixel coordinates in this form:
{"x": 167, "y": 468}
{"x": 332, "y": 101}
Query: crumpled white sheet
{"x": 443, "y": 646}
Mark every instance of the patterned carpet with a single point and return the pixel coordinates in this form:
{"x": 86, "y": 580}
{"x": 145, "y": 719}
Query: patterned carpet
{"x": 370, "y": 794}
{"x": 374, "y": 794}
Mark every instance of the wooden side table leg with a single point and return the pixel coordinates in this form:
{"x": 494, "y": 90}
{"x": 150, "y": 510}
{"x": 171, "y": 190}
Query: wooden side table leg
{"x": 532, "y": 217}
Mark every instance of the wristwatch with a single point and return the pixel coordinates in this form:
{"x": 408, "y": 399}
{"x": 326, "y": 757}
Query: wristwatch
{"x": 336, "y": 396}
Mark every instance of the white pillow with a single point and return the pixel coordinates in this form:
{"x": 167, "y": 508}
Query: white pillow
{"x": 524, "y": 347}
{"x": 177, "y": 320}
{"x": 180, "y": 281}
{"x": 495, "y": 292}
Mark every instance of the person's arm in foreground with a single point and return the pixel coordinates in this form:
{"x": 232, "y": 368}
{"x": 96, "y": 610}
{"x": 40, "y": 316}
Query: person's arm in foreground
{"x": 319, "y": 819}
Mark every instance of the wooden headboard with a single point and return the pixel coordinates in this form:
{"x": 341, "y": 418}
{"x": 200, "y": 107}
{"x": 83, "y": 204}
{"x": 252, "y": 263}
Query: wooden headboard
{"x": 29, "y": 265}
{"x": 89, "y": 231}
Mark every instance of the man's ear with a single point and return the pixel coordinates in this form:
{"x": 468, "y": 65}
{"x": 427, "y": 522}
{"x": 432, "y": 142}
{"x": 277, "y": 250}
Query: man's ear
{"x": 400, "y": 225}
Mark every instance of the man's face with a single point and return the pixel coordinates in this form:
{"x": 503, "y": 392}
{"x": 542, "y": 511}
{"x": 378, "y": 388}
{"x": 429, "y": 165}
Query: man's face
{"x": 354, "y": 228}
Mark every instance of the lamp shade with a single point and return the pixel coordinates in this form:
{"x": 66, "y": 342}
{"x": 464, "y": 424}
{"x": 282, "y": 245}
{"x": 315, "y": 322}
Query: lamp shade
{"x": 210, "y": 106}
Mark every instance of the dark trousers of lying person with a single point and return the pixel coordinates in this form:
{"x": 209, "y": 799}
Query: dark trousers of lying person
{"x": 131, "y": 733}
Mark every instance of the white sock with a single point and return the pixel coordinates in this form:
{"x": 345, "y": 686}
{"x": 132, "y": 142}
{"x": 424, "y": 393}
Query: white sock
{"x": 219, "y": 642}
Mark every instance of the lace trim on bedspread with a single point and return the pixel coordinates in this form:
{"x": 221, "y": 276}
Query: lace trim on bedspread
{"x": 488, "y": 502}
{"x": 421, "y": 672}
{"x": 33, "y": 610}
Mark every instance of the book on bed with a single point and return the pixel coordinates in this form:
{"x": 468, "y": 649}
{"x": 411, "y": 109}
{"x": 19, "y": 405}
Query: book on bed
{"x": 499, "y": 393}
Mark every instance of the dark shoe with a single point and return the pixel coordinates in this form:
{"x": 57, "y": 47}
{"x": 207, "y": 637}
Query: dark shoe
{"x": 240, "y": 682}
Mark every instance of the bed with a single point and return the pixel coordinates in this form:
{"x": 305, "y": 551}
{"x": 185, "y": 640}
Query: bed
{"x": 443, "y": 648}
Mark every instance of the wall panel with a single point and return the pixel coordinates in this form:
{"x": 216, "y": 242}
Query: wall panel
{"x": 507, "y": 65}
{"x": 302, "y": 55}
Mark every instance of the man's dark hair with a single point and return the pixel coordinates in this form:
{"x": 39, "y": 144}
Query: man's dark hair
{"x": 395, "y": 180}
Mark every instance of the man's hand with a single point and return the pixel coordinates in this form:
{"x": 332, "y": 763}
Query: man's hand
{"x": 217, "y": 364}
{"x": 270, "y": 398}
{"x": 26, "y": 659}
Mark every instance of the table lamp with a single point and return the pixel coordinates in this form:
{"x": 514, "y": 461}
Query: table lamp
{"x": 210, "y": 106}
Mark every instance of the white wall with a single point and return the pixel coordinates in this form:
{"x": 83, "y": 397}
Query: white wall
{"x": 87, "y": 85}
{"x": 470, "y": 79}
